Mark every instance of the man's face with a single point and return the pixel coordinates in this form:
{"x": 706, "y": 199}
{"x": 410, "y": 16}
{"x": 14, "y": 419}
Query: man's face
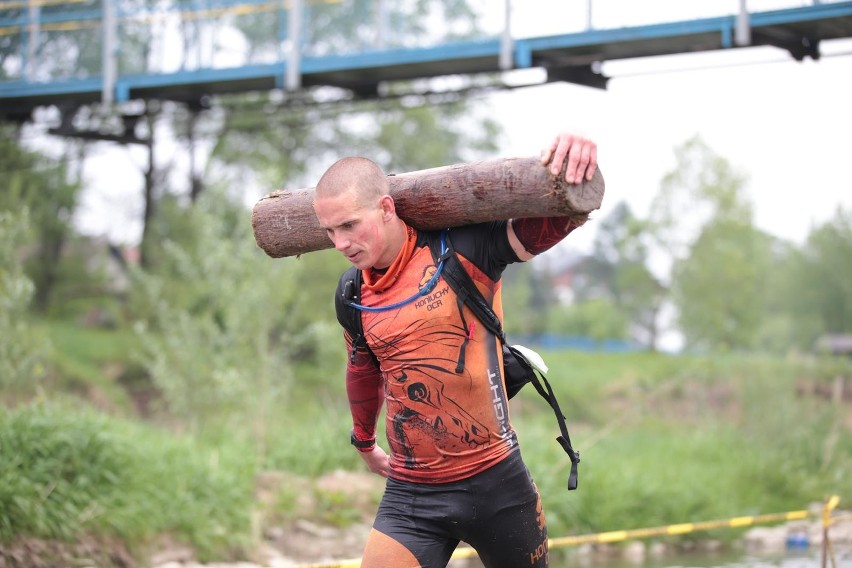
{"x": 356, "y": 229}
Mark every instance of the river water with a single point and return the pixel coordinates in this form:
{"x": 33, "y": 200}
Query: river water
{"x": 799, "y": 558}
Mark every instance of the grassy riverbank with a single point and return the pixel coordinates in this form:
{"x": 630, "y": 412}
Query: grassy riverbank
{"x": 663, "y": 440}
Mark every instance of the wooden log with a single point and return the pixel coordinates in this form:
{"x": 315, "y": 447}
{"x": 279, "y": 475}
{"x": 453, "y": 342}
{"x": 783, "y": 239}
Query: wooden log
{"x": 284, "y": 222}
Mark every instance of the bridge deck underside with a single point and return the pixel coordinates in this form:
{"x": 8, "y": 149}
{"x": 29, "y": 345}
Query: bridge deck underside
{"x": 568, "y": 57}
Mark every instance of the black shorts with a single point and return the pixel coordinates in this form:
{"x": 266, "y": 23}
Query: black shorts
{"x": 498, "y": 512}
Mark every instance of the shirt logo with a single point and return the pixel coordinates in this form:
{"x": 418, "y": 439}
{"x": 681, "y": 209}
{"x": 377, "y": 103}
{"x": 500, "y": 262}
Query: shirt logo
{"x": 428, "y": 273}
{"x": 431, "y": 301}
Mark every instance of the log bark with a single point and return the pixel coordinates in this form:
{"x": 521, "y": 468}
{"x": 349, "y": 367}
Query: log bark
{"x": 284, "y": 222}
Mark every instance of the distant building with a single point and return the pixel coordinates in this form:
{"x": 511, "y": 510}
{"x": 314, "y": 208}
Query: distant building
{"x": 562, "y": 267}
{"x": 835, "y": 344}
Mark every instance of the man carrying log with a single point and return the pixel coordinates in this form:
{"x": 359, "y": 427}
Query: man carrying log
{"x": 454, "y": 468}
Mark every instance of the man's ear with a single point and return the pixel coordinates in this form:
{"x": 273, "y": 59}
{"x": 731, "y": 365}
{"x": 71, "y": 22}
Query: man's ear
{"x": 388, "y": 207}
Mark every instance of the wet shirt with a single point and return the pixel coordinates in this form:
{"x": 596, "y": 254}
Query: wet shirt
{"x": 442, "y": 425}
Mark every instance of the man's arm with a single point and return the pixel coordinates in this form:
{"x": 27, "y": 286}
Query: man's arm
{"x": 579, "y": 156}
{"x": 532, "y": 236}
{"x": 366, "y": 394}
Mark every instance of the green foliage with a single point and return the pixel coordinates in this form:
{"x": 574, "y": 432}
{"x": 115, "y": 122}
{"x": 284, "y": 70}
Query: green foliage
{"x": 337, "y": 509}
{"x": 703, "y": 186}
{"x": 678, "y": 439}
{"x": 56, "y": 59}
{"x": 822, "y": 276}
{"x": 221, "y": 324}
{"x": 312, "y": 437}
{"x": 619, "y": 270}
{"x": 527, "y": 299}
{"x": 207, "y": 332}
{"x": 23, "y": 349}
{"x": 264, "y": 141}
{"x": 455, "y": 133}
{"x": 258, "y": 145}
{"x": 342, "y": 27}
{"x": 721, "y": 263}
{"x": 90, "y": 362}
{"x": 623, "y": 484}
{"x": 67, "y": 473}
{"x": 42, "y": 186}
{"x": 598, "y": 319}
{"x": 782, "y": 329}
{"x": 267, "y": 145}
{"x": 663, "y": 440}
{"x": 720, "y": 289}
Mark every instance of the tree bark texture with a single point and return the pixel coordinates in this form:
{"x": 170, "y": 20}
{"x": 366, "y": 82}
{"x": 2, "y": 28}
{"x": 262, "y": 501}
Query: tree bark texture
{"x": 284, "y": 222}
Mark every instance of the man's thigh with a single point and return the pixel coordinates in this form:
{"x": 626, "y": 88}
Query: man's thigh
{"x": 509, "y": 529}
{"x": 412, "y": 551}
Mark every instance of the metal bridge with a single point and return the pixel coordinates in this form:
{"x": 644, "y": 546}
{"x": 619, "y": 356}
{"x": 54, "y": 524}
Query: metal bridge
{"x": 88, "y": 52}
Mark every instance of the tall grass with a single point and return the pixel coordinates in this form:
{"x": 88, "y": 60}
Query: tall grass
{"x": 667, "y": 440}
{"x": 66, "y": 473}
{"x": 663, "y": 440}
{"x": 85, "y": 361}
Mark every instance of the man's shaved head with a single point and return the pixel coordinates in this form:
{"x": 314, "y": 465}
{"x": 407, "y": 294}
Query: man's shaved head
{"x": 363, "y": 176}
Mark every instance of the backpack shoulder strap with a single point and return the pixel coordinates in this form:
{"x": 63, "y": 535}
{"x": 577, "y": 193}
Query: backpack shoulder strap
{"x": 461, "y": 282}
{"x": 542, "y": 386}
{"x": 349, "y": 292}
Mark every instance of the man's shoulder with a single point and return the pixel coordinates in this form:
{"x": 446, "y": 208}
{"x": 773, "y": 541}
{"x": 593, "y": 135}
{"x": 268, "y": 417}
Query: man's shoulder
{"x": 485, "y": 245}
{"x": 466, "y": 238}
{"x": 348, "y": 289}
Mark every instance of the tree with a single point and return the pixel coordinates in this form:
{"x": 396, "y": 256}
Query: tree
{"x": 24, "y": 350}
{"x": 263, "y": 140}
{"x": 618, "y": 270}
{"x": 720, "y": 275}
{"x": 701, "y": 187}
{"x": 246, "y": 131}
{"x": 720, "y": 288}
{"x": 781, "y": 328}
{"x": 222, "y": 325}
{"x": 528, "y": 296}
{"x": 598, "y": 319}
{"x": 821, "y": 291}
{"x": 42, "y": 185}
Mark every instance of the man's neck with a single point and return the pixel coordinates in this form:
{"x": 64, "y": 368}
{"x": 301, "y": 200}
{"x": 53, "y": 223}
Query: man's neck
{"x": 396, "y": 237}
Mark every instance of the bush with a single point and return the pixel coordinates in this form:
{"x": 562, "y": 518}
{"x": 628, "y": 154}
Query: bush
{"x": 23, "y": 349}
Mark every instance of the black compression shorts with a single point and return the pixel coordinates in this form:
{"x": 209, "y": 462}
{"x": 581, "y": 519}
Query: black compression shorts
{"x": 498, "y": 512}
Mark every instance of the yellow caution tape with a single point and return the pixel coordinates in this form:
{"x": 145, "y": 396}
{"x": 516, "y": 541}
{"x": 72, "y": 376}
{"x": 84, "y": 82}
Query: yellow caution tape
{"x": 830, "y": 505}
{"x": 682, "y": 528}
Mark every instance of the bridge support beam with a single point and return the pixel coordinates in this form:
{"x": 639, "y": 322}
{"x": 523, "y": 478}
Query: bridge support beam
{"x": 742, "y": 37}
{"x": 108, "y": 54}
{"x": 120, "y": 128}
{"x": 507, "y": 47}
{"x": 33, "y": 39}
{"x": 580, "y": 74}
{"x": 293, "y": 80}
